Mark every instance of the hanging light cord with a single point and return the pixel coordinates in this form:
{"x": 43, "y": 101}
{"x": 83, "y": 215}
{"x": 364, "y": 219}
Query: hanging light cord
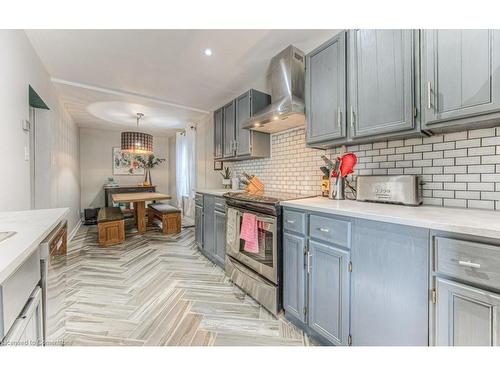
{"x": 139, "y": 116}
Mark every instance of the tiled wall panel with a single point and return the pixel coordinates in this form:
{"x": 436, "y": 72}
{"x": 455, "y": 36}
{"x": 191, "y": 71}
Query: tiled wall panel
{"x": 459, "y": 169}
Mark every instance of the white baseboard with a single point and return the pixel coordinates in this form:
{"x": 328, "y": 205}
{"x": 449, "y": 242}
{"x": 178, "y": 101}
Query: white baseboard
{"x": 73, "y": 232}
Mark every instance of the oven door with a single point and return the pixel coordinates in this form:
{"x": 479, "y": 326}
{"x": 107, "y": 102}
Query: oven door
{"x": 265, "y": 260}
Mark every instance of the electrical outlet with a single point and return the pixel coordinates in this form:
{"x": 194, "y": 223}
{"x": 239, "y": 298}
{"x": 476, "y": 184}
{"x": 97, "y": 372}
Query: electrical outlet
{"x": 26, "y": 153}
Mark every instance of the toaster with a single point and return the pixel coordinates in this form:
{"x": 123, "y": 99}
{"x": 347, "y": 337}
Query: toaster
{"x": 396, "y": 189}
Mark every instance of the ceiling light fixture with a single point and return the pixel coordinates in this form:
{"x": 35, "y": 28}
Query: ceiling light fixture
{"x": 137, "y": 142}
{"x": 207, "y": 52}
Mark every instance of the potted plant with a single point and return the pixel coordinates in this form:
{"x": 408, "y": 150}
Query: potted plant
{"x": 148, "y": 163}
{"x": 226, "y": 178}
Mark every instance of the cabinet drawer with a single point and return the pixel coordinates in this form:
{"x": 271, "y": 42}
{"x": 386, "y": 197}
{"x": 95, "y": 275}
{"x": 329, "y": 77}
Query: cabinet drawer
{"x": 220, "y": 204}
{"x": 471, "y": 261}
{"x": 294, "y": 221}
{"x": 198, "y": 199}
{"x": 16, "y": 290}
{"x": 335, "y": 231}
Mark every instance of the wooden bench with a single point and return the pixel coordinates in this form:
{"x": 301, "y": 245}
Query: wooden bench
{"x": 170, "y": 217}
{"x": 111, "y": 226}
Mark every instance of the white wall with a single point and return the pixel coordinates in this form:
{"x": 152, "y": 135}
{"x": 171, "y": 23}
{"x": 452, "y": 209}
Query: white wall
{"x": 206, "y": 177}
{"x": 20, "y": 67}
{"x": 96, "y": 165}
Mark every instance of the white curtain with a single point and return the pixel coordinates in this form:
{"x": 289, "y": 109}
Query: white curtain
{"x": 186, "y": 169}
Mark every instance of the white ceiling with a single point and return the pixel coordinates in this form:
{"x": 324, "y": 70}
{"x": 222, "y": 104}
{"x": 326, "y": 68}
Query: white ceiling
{"x": 165, "y": 70}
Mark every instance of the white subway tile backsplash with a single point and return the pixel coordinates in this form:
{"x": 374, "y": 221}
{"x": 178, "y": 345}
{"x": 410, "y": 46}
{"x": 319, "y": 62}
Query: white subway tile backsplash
{"x": 455, "y": 136}
{"x": 481, "y": 133}
{"x": 458, "y": 169}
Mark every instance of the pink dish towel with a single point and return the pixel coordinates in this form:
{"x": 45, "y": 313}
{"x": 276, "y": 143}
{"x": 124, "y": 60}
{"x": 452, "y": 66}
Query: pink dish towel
{"x": 249, "y": 232}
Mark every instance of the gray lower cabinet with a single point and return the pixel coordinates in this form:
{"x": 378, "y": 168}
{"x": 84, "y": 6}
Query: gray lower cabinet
{"x": 210, "y": 228}
{"x": 251, "y": 144}
{"x": 329, "y": 292}
{"x": 381, "y": 82}
{"x": 326, "y": 91}
{"x": 294, "y": 277}
{"x": 198, "y": 226}
{"x": 218, "y": 133}
{"x": 389, "y": 284}
{"x": 208, "y": 224}
{"x": 229, "y": 130}
{"x": 220, "y": 236}
{"x": 460, "y": 78}
{"x": 466, "y": 315}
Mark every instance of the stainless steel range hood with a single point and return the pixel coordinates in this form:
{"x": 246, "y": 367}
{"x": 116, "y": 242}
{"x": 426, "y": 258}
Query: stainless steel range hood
{"x": 287, "y": 94}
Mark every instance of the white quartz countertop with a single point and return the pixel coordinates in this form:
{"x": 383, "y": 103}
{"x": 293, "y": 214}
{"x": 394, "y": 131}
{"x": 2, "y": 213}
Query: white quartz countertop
{"x": 458, "y": 220}
{"x": 32, "y": 227}
{"x": 218, "y": 192}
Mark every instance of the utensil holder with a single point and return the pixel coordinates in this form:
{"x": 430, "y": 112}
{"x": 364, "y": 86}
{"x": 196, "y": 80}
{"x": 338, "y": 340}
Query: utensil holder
{"x": 337, "y": 188}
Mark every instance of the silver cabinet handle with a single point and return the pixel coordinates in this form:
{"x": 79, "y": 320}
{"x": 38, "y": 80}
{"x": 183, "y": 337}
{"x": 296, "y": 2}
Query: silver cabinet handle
{"x": 469, "y": 264}
{"x": 324, "y": 230}
{"x": 339, "y": 117}
{"x": 308, "y": 262}
{"x": 429, "y": 93}
{"x": 290, "y": 221}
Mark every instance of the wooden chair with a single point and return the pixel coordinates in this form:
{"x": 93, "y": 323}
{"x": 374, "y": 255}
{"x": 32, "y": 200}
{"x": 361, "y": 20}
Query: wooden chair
{"x": 111, "y": 226}
{"x": 170, "y": 217}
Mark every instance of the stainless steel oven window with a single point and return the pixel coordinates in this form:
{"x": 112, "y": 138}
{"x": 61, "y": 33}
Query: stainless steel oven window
{"x": 266, "y": 261}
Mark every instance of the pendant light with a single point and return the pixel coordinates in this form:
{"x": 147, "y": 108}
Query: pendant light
{"x": 137, "y": 142}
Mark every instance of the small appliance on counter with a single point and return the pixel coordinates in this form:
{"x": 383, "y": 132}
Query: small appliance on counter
{"x": 398, "y": 189}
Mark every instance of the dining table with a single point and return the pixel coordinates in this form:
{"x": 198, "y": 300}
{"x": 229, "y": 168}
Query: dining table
{"x": 139, "y": 201}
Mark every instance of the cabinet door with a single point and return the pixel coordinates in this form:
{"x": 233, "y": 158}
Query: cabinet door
{"x": 329, "y": 292}
{"x": 466, "y": 315}
{"x": 198, "y": 226}
{"x": 294, "y": 276}
{"x": 243, "y": 112}
{"x": 389, "y": 284}
{"x": 326, "y": 91}
{"x": 27, "y": 329}
{"x": 229, "y": 121}
{"x": 208, "y": 224}
{"x": 218, "y": 133}
{"x": 381, "y": 81}
{"x": 460, "y": 74}
{"x": 220, "y": 236}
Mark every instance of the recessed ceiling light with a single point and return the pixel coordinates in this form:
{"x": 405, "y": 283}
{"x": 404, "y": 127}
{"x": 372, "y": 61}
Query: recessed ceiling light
{"x": 207, "y": 52}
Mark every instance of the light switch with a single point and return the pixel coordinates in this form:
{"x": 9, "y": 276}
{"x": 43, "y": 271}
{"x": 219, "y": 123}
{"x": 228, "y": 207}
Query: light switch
{"x": 26, "y": 153}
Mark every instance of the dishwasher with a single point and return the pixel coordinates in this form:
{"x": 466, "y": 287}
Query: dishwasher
{"x": 53, "y": 284}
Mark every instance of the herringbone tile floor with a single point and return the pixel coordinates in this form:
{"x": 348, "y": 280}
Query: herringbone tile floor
{"x": 155, "y": 290}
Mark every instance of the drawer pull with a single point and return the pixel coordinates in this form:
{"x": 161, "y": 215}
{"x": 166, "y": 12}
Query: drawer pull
{"x": 324, "y": 230}
{"x": 290, "y": 221}
{"x": 469, "y": 264}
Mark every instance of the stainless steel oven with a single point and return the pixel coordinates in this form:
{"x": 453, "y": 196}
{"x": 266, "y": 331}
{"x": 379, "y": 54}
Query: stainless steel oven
{"x": 265, "y": 261}
{"x": 258, "y": 273}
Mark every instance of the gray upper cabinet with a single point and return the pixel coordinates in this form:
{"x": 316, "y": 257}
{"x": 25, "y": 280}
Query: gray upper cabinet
{"x": 389, "y": 284}
{"x": 466, "y": 315}
{"x": 329, "y": 292}
{"x": 381, "y": 82}
{"x": 229, "y": 130}
{"x": 460, "y": 77}
{"x": 220, "y": 236}
{"x": 218, "y": 133}
{"x": 294, "y": 276}
{"x": 326, "y": 91}
{"x": 250, "y": 143}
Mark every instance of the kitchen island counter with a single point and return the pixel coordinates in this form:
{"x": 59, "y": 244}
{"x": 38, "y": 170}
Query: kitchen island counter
{"x": 31, "y": 227}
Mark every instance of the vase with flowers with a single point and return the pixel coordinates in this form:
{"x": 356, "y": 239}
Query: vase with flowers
{"x": 148, "y": 163}
{"x": 226, "y": 178}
